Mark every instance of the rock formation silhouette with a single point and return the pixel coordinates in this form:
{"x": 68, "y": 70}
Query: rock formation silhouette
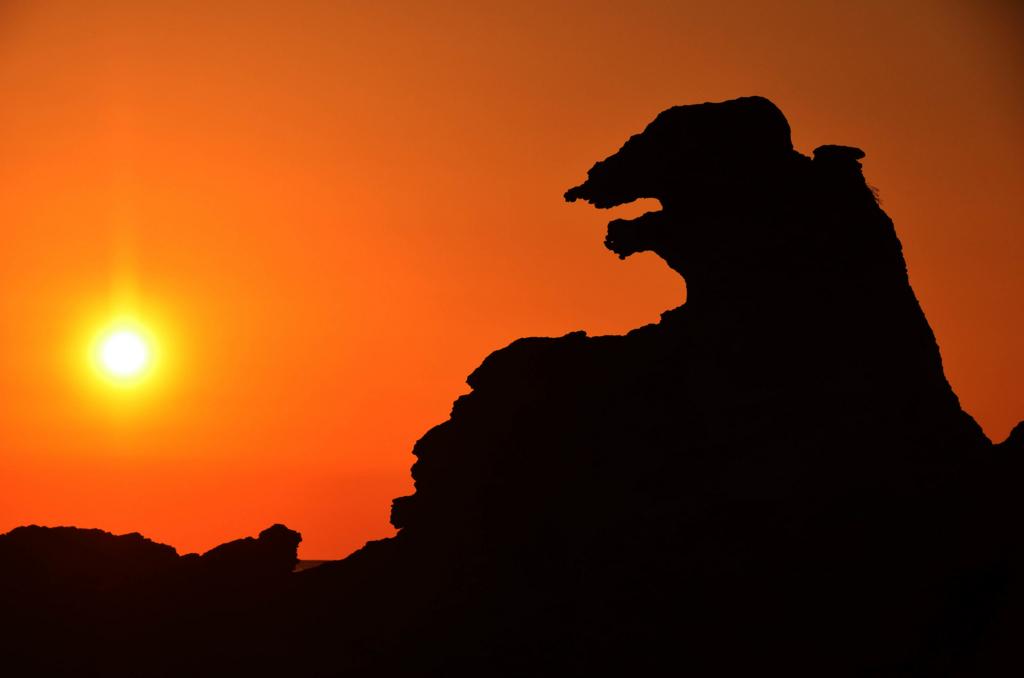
{"x": 776, "y": 477}
{"x": 86, "y": 602}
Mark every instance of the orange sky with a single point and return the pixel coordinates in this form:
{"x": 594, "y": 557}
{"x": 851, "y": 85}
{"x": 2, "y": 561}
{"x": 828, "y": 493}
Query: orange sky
{"x": 331, "y": 215}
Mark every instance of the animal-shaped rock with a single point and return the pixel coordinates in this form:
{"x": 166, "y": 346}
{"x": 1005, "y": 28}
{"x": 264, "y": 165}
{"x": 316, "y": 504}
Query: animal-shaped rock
{"x": 776, "y": 474}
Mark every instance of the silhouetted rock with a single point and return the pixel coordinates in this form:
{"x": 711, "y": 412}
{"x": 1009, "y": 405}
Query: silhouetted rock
{"x": 776, "y": 477}
{"x": 87, "y": 602}
{"x": 70, "y": 555}
{"x": 273, "y": 554}
{"x": 1015, "y": 441}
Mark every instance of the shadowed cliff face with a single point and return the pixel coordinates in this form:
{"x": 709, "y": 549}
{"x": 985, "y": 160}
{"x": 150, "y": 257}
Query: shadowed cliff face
{"x": 777, "y": 474}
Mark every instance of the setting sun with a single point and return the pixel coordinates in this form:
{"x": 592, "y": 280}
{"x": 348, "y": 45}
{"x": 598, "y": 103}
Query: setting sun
{"x": 124, "y": 354}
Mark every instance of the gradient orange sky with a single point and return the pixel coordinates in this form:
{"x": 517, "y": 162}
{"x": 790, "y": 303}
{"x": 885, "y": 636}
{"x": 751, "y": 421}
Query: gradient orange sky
{"x": 331, "y": 214}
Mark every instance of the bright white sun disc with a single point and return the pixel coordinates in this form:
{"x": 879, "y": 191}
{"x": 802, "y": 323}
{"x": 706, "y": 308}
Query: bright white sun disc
{"x": 124, "y": 353}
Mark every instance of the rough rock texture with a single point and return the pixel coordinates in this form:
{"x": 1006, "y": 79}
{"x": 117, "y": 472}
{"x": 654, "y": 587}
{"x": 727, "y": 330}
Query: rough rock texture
{"x": 775, "y": 478}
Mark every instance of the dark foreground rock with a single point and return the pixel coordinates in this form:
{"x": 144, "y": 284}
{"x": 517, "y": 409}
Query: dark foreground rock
{"x": 86, "y": 602}
{"x": 775, "y": 478}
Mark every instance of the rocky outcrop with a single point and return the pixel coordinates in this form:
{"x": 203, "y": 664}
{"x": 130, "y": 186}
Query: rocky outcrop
{"x": 87, "y": 602}
{"x": 54, "y": 556}
{"x": 776, "y": 474}
{"x": 272, "y": 554}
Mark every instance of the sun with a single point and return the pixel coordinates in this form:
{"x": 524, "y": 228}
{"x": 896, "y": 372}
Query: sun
{"x": 123, "y": 353}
